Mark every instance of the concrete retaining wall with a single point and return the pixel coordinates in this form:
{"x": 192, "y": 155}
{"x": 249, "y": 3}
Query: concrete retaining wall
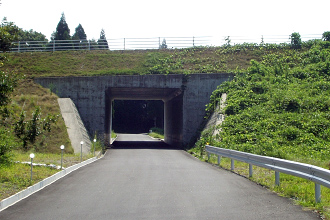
{"x": 76, "y": 129}
{"x": 185, "y": 97}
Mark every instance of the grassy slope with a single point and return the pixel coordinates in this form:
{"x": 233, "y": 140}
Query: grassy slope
{"x": 26, "y": 97}
{"x": 279, "y": 107}
{"x": 77, "y": 63}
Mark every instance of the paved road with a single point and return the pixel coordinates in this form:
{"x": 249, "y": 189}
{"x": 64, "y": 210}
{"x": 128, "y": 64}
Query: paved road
{"x": 149, "y": 180}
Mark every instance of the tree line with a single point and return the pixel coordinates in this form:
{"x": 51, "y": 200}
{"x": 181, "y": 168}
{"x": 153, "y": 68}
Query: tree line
{"x": 62, "y": 34}
{"x": 79, "y": 38}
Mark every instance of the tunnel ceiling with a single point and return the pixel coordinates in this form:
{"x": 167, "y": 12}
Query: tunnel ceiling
{"x": 125, "y": 93}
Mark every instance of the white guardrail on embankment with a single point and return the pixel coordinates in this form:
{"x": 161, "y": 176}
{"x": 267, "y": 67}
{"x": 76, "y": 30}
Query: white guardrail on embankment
{"x": 313, "y": 173}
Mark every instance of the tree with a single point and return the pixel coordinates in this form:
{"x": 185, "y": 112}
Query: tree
{"x": 326, "y": 36}
{"x": 295, "y": 40}
{"x": 80, "y": 38}
{"x": 163, "y": 45}
{"x": 62, "y": 30}
{"x": 8, "y": 34}
{"x": 30, "y": 35}
{"x": 102, "y": 41}
{"x": 79, "y": 33}
{"x": 62, "y": 33}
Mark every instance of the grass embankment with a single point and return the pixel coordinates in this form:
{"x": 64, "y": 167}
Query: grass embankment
{"x": 89, "y": 63}
{"x": 280, "y": 107}
{"x": 15, "y": 177}
{"x": 26, "y": 97}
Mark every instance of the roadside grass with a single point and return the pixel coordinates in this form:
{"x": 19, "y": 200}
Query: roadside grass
{"x": 15, "y": 177}
{"x": 299, "y": 190}
{"x": 157, "y": 133}
{"x": 113, "y": 134}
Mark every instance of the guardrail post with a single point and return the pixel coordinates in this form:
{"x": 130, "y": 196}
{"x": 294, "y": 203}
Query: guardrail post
{"x": 219, "y": 159}
{"x": 208, "y": 156}
{"x": 232, "y": 165}
{"x": 317, "y": 193}
{"x": 277, "y": 178}
{"x": 250, "y": 170}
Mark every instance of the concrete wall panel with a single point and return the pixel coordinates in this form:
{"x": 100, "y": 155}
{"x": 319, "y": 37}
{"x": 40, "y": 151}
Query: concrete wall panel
{"x": 93, "y": 100}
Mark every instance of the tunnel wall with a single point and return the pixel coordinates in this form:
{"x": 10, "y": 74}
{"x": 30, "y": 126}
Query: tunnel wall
{"x": 173, "y": 121}
{"x": 184, "y": 111}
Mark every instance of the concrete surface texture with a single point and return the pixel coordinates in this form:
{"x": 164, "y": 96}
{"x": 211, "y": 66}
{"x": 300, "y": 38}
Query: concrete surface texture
{"x": 184, "y": 96}
{"x": 218, "y": 116}
{"x": 144, "y": 179}
{"x": 75, "y": 127}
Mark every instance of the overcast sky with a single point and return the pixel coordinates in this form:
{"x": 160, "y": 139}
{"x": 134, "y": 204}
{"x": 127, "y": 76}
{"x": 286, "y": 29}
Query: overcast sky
{"x": 172, "y": 18}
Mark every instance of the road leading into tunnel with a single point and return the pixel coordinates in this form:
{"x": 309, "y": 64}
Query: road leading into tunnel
{"x": 141, "y": 178}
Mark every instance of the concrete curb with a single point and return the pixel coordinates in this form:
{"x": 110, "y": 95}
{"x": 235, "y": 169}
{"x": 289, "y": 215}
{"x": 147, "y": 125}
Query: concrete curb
{"x": 40, "y": 185}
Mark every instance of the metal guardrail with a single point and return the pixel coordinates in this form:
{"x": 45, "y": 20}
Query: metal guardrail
{"x": 151, "y": 43}
{"x": 313, "y": 173}
{"x": 110, "y": 44}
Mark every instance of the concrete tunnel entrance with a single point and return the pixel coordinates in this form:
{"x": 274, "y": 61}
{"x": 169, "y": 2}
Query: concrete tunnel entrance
{"x": 173, "y": 109}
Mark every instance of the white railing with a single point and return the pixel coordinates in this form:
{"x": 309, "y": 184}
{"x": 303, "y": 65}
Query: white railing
{"x": 151, "y": 43}
{"x": 313, "y": 173}
{"x": 110, "y": 44}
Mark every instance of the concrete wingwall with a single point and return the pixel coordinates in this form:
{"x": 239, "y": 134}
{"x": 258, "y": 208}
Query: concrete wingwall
{"x": 184, "y": 96}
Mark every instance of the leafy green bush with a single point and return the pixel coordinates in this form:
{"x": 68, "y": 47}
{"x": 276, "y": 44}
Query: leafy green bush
{"x": 280, "y": 106}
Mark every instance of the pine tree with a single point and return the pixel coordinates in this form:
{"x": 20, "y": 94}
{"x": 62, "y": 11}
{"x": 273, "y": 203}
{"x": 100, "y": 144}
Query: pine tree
{"x": 80, "y": 38}
{"x": 62, "y": 34}
{"x": 102, "y": 41}
{"x": 80, "y": 33}
{"x": 62, "y": 30}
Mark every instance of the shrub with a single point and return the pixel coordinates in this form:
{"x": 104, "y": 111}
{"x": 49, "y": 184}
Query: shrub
{"x": 295, "y": 40}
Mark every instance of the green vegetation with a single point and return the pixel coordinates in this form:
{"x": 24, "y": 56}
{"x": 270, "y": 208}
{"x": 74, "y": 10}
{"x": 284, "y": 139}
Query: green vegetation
{"x": 15, "y": 177}
{"x": 90, "y": 63}
{"x": 279, "y": 107}
{"x": 157, "y": 133}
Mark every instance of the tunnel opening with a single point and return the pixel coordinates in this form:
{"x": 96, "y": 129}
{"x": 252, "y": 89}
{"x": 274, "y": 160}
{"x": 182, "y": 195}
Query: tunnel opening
{"x": 137, "y": 116}
{"x": 136, "y": 110}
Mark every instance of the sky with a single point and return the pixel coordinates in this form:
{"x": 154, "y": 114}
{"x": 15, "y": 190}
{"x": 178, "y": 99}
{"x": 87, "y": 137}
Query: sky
{"x": 172, "y": 18}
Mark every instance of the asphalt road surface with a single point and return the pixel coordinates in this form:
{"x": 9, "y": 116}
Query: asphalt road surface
{"x": 145, "y": 179}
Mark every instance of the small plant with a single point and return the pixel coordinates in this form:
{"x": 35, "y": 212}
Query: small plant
{"x": 29, "y": 130}
{"x": 228, "y": 41}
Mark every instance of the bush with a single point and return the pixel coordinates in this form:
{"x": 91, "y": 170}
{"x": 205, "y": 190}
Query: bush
{"x": 295, "y": 40}
{"x": 7, "y": 143}
{"x": 326, "y": 36}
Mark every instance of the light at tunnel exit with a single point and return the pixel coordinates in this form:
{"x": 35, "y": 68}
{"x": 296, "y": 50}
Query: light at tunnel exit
{"x": 137, "y": 116}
